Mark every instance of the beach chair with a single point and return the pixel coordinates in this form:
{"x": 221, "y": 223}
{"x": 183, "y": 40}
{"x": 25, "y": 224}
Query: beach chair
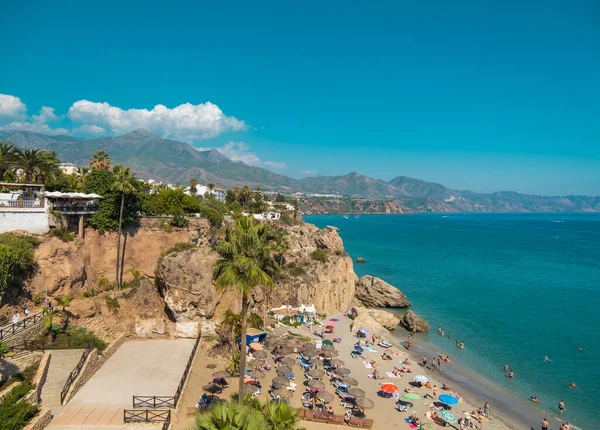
{"x": 292, "y": 387}
{"x": 306, "y": 367}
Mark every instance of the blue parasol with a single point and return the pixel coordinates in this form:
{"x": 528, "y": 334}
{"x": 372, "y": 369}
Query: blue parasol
{"x": 448, "y": 399}
{"x": 447, "y": 416}
{"x": 358, "y": 349}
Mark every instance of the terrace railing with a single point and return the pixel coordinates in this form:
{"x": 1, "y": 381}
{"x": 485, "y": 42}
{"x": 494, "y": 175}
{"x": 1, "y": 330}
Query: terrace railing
{"x": 11, "y": 330}
{"x": 147, "y": 416}
{"x": 154, "y": 402}
{"x": 188, "y": 366}
{"x": 20, "y": 203}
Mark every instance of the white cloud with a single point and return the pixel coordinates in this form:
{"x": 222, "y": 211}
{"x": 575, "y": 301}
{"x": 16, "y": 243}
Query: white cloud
{"x": 240, "y": 151}
{"x": 185, "y": 122}
{"x": 35, "y": 127}
{"x": 308, "y": 172}
{"x": 12, "y": 107}
{"x": 89, "y": 129}
{"x": 46, "y": 115}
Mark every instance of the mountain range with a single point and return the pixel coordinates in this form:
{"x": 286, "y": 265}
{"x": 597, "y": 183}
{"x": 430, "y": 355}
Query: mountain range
{"x": 153, "y": 157}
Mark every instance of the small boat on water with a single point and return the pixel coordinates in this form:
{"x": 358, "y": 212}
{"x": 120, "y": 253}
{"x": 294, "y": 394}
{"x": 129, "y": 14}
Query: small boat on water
{"x": 346, "y": 216}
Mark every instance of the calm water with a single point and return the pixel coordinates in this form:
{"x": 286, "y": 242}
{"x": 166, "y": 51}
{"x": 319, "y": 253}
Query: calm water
{"x": 513, "y": 287}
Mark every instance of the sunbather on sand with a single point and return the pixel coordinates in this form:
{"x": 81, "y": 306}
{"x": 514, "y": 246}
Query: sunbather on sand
{"x": 408, "y": 390}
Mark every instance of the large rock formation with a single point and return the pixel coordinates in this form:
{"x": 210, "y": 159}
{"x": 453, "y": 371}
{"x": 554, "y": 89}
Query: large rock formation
{"x": 412, "y": 322}
{"x": 328, "y": 285}
{"x": 387, "y": 319}
{"x": 376, "y": 293}
{"x": 185, "y": 283}
{"x": 364, "y": 320}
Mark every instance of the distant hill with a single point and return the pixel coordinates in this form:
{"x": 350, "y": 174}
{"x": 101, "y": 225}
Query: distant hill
{"x": 172, "y": 161}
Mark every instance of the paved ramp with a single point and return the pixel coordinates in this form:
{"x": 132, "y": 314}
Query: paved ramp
{"x": 62, "y": 362}
{"x": 94, "y": 418}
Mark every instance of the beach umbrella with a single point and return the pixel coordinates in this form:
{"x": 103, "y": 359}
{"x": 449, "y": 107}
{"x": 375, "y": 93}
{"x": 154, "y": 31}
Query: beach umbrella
{"x": 316, "y": 385}
{"x": 356, "y": 392}
{"x": 256, "y": 374}
{"x": 284, "y": 370}
{"x": 342, "y": 371}
{"x": 286, "y": 361}
{"x": 316, "y": 373}
{"x": 212, "y": 388}
{"x": 421, "y": 378}
{"x": 364, "y": 403}
{"x": 310, "y": 353}
{"x": 285, "y": 351}
{"x": 221, "y": 374}
{"x": 389, "y": 388}
{"x": 250, "y": 389}
{"x": 255, "y": 362}
{"x": 411, "y": 396}
{"x": 447, "y": 416}
{"x": 256, "y": 346}
{"x": 309, "y": 345}
{"x": 330, "y": 354}
{"x": 350, "y": 381}
{"x": 358, "y": 349}
{"x": 327, "y": 342}
{"x": 325, "y": 396}
{"x": 280, "y": 380}
{"x": 364, "y": 330}
{"x": 336, "y": 362}
{"x": 448, "y": 399}
{"x": 260, "y": 354}
{"x": 282, "y": 392}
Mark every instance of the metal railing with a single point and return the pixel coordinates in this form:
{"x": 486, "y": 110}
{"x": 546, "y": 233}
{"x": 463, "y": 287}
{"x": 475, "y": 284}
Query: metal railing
{"x": 75, "y": 373}
{"x": 10, "y": 330}
{"x": 147, "y": 416}
{"x": 167, "y": 422}
{"x": 154, "y": 402}
{"x": 43, "y": 345}
{"x": 20, "y": 203}
{"x": 186, "y": 371}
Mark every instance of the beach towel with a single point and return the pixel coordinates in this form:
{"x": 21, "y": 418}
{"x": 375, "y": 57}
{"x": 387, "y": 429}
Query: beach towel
{"x": 334, "y": 319}
{"x": 412, "y": 426}
{"x": 371, "y": 349}
{"x": 367, "y": 364}
{"x": 391, "y": 375}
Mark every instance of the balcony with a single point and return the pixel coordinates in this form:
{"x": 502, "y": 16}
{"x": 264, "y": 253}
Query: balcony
{"x": 21, "y": 204}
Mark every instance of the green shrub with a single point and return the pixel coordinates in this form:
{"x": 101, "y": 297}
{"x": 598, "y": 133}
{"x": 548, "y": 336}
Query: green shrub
{"x": 15, "y": 413}
{"x": 211, "y": 366}
{"x": 65, "y": 236}
{"x": 319, "y": 255}
{"x": 340, "y": 253}
{"x": 17, "y": 261}
{"x": 290, "y": 265}
{"x": 112, "y": 303}
{"x": 38, "y": 299}
{"x": 178, "y": 247}
{"x": 135, "y": 282}
{"x": 65, "y": 300}
{"x": 297, "y": 271}
{"x": 180, "y": 219}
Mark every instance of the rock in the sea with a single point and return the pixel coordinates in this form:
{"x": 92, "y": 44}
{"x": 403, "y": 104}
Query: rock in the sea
{"x": 364, "y": 320}
{"x": 387, "y": 319}
{"x": 185, "y": 283}
{"x": 360, "y": 260}
{"x": 412, "y": 322}
{"x": 376, "y": 293}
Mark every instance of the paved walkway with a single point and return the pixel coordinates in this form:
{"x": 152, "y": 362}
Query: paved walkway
{"x": 62, "y": 362}
{"x": 139, "y": 367}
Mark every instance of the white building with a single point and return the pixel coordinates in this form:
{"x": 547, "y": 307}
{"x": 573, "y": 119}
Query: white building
{"x": 267, "y": 216}
{"x": 67, "y": 168}
{"x": 202, "y": 190}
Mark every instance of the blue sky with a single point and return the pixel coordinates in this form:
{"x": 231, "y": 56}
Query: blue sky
{"x": 476, "y": 95}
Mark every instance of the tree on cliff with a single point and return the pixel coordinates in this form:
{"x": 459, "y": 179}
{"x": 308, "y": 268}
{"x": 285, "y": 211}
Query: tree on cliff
{"x": 246, "y": 263}
{"x": 123, "y": 183}
{"x": 7, "y": 158}
{"x": 36, "y": 164}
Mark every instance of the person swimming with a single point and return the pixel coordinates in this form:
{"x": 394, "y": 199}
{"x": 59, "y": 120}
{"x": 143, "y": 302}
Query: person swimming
{"x": 572, "y": 385}
{"x": 546, "y": 358}
{"x": 535, "y": 399}
{"x": 511, "y": 374}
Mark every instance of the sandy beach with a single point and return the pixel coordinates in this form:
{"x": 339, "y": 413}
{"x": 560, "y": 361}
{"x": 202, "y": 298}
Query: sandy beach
{"x": 383, "y": 413}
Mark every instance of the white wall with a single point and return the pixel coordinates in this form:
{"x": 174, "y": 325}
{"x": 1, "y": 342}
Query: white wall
{"x": 34, "y": 221}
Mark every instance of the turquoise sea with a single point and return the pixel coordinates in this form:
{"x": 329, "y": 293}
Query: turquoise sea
{"x": 514, "y": 287}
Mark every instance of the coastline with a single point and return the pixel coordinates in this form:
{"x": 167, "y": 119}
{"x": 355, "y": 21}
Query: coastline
{"x": 514, "y": 412}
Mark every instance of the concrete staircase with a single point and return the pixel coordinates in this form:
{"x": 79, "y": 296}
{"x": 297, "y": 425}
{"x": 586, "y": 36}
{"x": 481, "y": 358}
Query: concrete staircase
{"x": 62, "y": 362}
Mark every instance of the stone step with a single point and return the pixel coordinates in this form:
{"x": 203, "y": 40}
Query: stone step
{"x": 62, "y": 362}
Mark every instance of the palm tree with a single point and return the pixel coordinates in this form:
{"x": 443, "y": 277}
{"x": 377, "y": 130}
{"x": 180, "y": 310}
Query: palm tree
{"x": 210, "y": 186}
{"x": 123, "y": 183}
{"x": 234, "y": 363}
{"x": 193, "y": 185}
{"x": 232, "y": 321}
{"x": 231, "y": 415}
{"x": 281, "y": 416}
{"x": 246, "y": 263}
{"x": 100, "y": 160}
{"x": 7, "y": 157}
{"x": 81, "y": 172}
{"x": 37, "y": 164}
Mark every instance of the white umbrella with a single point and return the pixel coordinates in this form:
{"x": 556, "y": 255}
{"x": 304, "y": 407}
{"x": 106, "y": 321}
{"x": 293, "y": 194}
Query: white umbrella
{"x": 421, "y": 378}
